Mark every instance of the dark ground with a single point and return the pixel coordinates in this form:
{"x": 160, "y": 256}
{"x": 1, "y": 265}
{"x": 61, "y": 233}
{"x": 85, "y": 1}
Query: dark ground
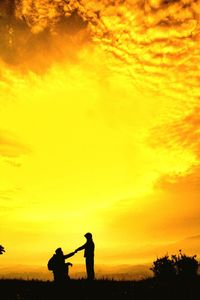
{"x": 149, "y": 289}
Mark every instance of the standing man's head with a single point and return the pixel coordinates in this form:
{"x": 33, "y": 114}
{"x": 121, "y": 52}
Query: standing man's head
{"x": 88, "y": 235}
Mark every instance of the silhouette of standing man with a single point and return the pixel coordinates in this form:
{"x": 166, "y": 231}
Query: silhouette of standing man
{"x": 89, "y": 255}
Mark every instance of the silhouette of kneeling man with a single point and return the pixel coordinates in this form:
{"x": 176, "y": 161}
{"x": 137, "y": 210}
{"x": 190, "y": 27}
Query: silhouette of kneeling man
{"x": 89, "y": 255}
{"x": 59, "y": 267}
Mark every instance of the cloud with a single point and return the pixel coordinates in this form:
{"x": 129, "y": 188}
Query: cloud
{"x": 8, "y": 202}
{"x": 25, "y": 47}
{"x": 145, "y": 38}
{"x": 6, "y": 194}
{"x": 183, "y": 132}
{"x": 194, "y": 237}
{"x": 10, "y": 147}
{"x": 168, "y": 215}
{"x": 154, "y": 43}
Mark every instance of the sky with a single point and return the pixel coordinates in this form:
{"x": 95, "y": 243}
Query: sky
{"x": 99, "y": 129}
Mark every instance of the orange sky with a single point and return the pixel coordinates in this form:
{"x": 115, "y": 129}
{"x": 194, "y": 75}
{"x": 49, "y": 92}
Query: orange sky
{"x": 99, "y": 131}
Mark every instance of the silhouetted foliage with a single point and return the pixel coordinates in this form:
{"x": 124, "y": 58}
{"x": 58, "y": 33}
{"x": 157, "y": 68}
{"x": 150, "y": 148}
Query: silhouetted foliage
{"x": 186, "y": 266}
{"x": 164, "y": 267}
{"x": 2, "y": 250}
{"x": 178, "y": 265}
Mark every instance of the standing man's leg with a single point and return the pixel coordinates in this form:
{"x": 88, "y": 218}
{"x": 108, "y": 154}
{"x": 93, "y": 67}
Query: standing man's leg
{"x": 90, "y": 268}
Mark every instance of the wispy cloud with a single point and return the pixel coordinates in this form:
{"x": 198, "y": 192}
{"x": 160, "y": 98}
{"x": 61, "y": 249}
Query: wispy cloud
{"x": 33, "y": 39}
{"x": 158, "y": 38}
{"x": 11, "y": 148}
{"x": 8, "y": 194}
{"x": 194, "y": 237}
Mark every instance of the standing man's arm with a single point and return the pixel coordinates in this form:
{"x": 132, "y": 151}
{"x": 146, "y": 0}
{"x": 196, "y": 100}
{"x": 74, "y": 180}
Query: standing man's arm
{"x": 69, "y": 255}
{"x": 80, "y": 248}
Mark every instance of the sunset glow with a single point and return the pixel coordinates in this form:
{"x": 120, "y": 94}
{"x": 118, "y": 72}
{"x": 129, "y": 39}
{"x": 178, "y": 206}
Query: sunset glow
{"x": 99, "y": 131}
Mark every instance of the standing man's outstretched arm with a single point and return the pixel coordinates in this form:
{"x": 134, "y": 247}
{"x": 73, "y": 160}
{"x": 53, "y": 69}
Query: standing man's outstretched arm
{"x": 80, "y": 248}
{"x": 69, "y": 255}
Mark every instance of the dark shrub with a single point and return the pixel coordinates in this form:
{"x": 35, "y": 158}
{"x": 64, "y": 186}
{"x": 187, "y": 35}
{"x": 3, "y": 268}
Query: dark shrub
{"x": 164, "y": 267}
{"x": 187, "y": 266}
{"x": 179, "y": 265}
{"x": 2, "y": 250}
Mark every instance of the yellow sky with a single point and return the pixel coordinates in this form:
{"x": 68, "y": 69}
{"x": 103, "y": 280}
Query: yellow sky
{"x": 99, "y": 130}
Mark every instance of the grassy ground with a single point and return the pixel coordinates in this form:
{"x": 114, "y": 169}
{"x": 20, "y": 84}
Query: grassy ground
{"x": 149, "y": 289}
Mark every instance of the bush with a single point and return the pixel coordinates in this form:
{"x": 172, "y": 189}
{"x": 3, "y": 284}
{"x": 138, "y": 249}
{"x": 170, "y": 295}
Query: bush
{"x": 186, "y": 266}
{"x": 178, "y": 265}
{"x": 164, "y": 267}
{"x": 2, "y": 250}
